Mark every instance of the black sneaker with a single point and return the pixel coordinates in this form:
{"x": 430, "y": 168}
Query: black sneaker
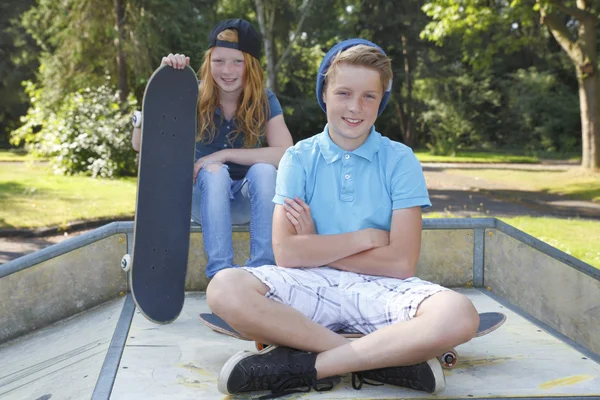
{"x": 427, "y": 376}
{"x": 281, "y": 370}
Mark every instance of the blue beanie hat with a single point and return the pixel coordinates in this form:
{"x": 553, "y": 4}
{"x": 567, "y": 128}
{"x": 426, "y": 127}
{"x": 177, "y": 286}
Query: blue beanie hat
{"x": 346, "y": 44}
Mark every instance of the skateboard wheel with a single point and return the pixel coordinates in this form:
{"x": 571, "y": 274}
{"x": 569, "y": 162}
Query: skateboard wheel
{"x": 448, "y": 359}
{"x": 126, "y": 262}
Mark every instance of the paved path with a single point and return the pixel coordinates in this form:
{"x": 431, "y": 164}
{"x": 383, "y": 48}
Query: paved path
{"x": 467, "y": 196}
{"x": 13, "y": 247}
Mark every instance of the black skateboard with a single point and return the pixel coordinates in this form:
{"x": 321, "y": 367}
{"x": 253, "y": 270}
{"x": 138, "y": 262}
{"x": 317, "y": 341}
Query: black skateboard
{"x": 161, "y": 233}
{"x": 488, "y": 322}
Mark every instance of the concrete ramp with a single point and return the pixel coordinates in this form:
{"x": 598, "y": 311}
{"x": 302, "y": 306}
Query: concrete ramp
{"x": 182, "y": 361}
{"x": 113, "y": 352}
{"x": 61, "y": 361}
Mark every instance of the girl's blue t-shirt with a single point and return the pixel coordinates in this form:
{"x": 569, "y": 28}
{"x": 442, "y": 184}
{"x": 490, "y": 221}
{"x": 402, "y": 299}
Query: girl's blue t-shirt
{"x": 223, "y": 141}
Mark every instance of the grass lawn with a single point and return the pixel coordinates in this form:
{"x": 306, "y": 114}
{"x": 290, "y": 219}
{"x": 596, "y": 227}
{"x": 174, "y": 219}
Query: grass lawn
{"x": 422, "y": 155}
{"x": 574, "y": 183}
{"x": 31, "y": 196}
{"x": 577, "y": 237}
{"x": 14, "y": 155}
{"x": 489, "y": 157}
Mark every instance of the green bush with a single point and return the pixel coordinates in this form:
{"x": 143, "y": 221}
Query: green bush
{"x": 543, "y": 110}
{"x": 88, "y": 132}
{"x": 447, "y": 128}
{"x": 530, "y": 110}
{"x": 460, "y": 112}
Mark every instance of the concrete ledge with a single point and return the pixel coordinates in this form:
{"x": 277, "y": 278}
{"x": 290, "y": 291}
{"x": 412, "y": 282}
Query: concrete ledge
{"x": 61, "y": 286}
{"x": 547, "y": 249}
{"x": 566, "y": 297}
{"x": 65, "y": 247}
{"x": 447, "y": 257}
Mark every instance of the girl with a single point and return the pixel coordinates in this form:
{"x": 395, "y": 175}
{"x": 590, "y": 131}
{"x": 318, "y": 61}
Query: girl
{"x": 234, "y": 175}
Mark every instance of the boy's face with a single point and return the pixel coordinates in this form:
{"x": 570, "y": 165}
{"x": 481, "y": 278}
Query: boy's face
{"x": 352, "y": 98}
{"x": 227, "y": 68}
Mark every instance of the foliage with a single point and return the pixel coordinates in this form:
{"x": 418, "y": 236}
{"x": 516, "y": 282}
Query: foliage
{"x": 460, "y": 110}
{"x": 486, "y": 28}
{"x": 543, "y": 110}
{"x": 77, "y": 38}
{"x": 467, "y": 74}
{"x": 88, "y": 133}
{"x": 18, "y": 62}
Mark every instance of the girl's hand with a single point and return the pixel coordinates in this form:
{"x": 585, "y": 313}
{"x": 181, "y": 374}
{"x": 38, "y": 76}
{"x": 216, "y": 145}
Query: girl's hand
{"x": 218, "y": 158}
{"x": 298, "y": 212}
{"x": 177, "y": 61}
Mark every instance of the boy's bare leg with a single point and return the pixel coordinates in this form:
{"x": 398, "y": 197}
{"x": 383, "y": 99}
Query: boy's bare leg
{"x": 237, "y": 296}
{"x": 443, "y": 321}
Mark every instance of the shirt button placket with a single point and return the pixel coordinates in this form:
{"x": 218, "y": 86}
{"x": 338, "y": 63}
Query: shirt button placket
{"x": 347, "y": 181}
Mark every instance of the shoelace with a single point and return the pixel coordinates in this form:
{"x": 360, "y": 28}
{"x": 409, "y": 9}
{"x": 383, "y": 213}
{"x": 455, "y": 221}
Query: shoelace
{"x": 299, "y": 384}
{"x": 357, "y": 376}
{"x": 404, "y": 382}
{"x": 263, "y": 376}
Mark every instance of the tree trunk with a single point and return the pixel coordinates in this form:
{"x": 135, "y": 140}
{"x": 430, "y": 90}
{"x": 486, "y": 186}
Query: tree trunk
{"x": 119, "y": 40}
{"x": 589, "y": 100}
{"x": 272, "y": 55}
{"x": 583, "y": 53}
{"x": 399, "y": 108}
{"x": 589, "y": 90}
{"x": 408, "y": 130}
{"x": 266, "y": 30}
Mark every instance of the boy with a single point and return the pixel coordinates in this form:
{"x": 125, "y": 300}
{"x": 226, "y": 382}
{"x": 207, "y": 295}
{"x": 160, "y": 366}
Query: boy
{"x": 346, "y": 238}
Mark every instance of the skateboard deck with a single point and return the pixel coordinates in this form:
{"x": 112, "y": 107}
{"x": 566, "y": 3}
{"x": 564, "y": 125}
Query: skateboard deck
{"x": 161, "y": 233}
{"x": 488, "y": 322}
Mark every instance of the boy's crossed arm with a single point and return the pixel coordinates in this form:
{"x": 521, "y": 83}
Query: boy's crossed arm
{"x": 308, "y": 250}
{"x": 399, "y": 258}
{"x": 369, "y": 251}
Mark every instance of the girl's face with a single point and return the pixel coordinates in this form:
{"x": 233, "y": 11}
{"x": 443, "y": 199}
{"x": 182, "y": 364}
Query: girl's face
{"x": 227, "y": 69}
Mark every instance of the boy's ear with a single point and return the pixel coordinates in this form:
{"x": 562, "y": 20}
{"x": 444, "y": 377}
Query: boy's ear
{"x": 323, "y": 96}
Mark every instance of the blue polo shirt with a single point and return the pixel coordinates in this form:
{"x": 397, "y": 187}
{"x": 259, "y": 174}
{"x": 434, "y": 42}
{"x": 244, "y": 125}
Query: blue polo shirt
{"x": 222, "y": 138}
{"x": 351, "y": 190}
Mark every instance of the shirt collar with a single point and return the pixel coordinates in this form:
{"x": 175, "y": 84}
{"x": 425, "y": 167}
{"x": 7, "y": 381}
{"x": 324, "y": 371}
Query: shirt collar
{"x": 332, "y": 152}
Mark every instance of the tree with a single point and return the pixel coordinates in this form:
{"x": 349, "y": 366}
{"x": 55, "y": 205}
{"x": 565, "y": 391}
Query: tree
{"x": 76, "y": 38}
{"x": 267, "y": 13}
{"x": 18, "y": 62}
{"x": 581, "y": 45}
{"x": 572, "y": 23}
{"x": 396, "y": 26}
{"x": 119, "y": 43}
{"x": 90, "y": 51}
{"x": 83, "y": 41}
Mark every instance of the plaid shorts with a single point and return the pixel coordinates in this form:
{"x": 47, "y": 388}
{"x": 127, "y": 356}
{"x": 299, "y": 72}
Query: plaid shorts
{"x": 345, "y": 301}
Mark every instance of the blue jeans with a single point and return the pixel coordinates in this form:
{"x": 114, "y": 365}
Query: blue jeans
{"x": 218, "y": 202}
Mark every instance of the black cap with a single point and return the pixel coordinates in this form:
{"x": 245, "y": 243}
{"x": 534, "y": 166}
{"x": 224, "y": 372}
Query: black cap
{"x": 249, "y": 40}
